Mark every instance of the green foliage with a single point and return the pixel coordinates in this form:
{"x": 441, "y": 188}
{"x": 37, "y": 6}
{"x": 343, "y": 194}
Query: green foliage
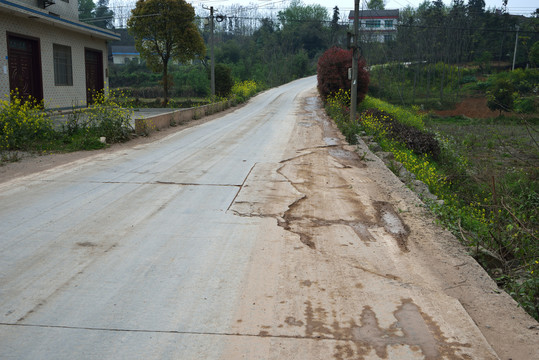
{"x": 404, "y": 115}
{"x": 375, "y": 5}
{"x": 501, "y": 96}
{"x": 524, "y": 105}
{"x": 172, "y": 35}
{"x": 24, "y": 125}
{"x": 337, "y": 106}
{"x": 86, "y": 10}
{"x": 103, "y": 15}
{"x": 106, "y": 117}
{"x": 244, "y": 90}
{"x": 533, "y": 56}
{"x": 22, "y": 122}
{"x": 223, "y": 80}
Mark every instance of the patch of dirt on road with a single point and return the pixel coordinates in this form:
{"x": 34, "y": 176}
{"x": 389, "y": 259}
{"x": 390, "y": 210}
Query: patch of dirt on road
{"x": 348, "y": 221}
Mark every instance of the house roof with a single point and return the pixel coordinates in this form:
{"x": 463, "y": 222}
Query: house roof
{"x": 39, "y": 15}
{"x": 375, "y": 14}
{"x": 123, "y": 50}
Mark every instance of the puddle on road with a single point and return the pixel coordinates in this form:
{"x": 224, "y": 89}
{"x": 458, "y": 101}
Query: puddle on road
{"x": 392, "y": 223}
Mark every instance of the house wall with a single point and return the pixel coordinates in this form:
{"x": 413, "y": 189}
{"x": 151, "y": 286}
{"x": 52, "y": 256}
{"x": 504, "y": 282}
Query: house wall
{"x": 67, "y": 9}
{"x": 60, "y": 97}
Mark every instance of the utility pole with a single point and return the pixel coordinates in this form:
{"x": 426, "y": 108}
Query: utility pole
{"x": 355, "y": 59}
{"x": 515, "y": 52}
{"x": 212, "y": 57}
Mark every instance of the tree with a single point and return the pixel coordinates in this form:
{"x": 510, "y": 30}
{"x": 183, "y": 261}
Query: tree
{"x": 375, "y": 5}
{"x": 304, "y": 27}
{"x": 333, "y": 73}
{"x": 165, "y": 30}
{"x": 86, "y": 10}
{"x": 104, "y": 17}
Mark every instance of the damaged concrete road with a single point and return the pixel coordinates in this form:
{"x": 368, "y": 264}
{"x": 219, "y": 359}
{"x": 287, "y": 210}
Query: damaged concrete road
{"x": 260, "y": 235}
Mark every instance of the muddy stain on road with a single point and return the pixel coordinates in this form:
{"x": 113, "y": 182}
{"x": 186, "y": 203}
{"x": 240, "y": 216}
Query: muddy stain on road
{"x": 412, "y": 328}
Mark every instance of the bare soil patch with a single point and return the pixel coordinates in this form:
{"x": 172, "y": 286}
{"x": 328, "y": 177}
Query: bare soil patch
{"x": 473, "y": 107}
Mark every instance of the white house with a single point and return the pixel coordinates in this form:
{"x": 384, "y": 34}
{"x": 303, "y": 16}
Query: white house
{"x": 377, "y": 25}
{"x": 47, "y": 53}
{"x": 123, "y": 54}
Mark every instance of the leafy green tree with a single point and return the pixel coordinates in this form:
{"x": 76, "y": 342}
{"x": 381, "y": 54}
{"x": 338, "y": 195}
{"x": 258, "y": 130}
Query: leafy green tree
{"x": 104, "y": 17}
{"x": 86, "y": 10}
{"x": 303, "y": 27}
{"x": 376, "y": 5}
{"x": 165, "y": 30}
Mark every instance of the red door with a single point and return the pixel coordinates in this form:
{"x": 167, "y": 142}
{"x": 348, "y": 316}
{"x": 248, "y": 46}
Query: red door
{"x": 24, "y": 63}
{"x": 94, "y": 74}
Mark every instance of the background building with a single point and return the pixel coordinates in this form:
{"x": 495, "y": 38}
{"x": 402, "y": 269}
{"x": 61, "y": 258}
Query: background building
{"x": 376, "y": 25}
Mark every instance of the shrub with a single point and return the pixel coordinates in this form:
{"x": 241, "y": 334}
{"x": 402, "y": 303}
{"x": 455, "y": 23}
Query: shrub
{"x": 223, "y": 80}
{"x": 245, "y": 89}
{"x": 105, "y": 117}
{"x": 22, "y": 122}
{"x": 333, "y": 73}
{"x": 420, "y": 142}
{"x": 501, "y": 97}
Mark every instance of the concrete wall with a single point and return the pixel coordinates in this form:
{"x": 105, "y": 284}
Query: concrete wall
{"x": 162, "y": 121}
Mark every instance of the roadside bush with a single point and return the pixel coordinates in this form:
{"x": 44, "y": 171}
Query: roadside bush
{"x": 22, "y": 123}
{"x": 242, "y": 91}
{"x": 105, "y": 117}
{"x": 223, "y": 80}
{"x": 333, "y": 73}
{"x": 420, "y": 142}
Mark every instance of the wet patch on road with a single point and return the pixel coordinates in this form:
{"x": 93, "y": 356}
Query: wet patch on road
{"x": 412, "y": 328}
{"x": 392, "y": 223}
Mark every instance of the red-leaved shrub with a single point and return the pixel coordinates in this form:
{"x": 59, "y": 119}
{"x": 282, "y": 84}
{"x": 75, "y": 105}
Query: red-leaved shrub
{"x": 333, "y": 73}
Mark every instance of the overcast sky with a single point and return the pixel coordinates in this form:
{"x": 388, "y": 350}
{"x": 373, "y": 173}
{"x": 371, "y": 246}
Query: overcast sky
{"x": 517, "y": 7}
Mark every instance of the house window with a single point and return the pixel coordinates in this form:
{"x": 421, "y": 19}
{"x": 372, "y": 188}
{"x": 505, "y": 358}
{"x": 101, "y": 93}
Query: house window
{"x": 372, "y": 23}
{"x": 63, "y": 73}
{"x": 388, "y": 38}
{"x": 388, "y": 23}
